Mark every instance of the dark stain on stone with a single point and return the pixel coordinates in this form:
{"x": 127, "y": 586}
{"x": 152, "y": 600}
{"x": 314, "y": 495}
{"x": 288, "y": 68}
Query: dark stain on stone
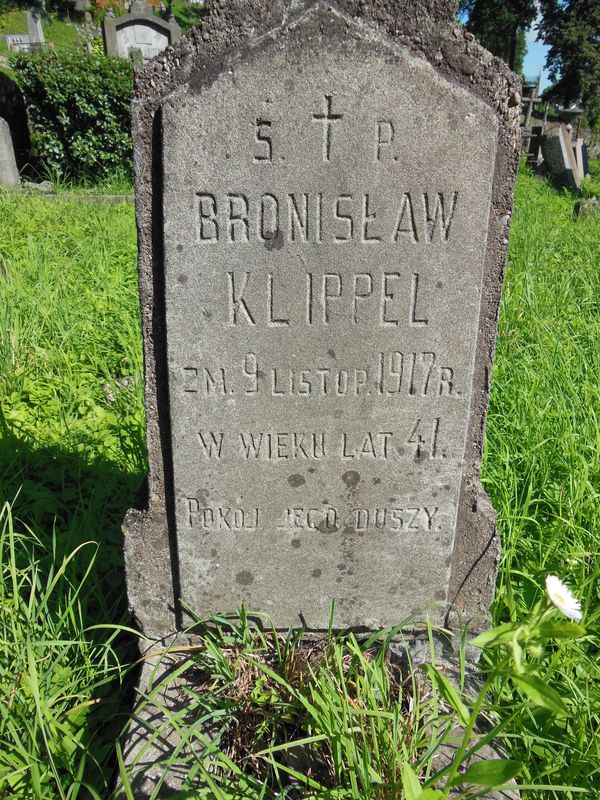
{"x": 337, "y": 414}
{"x": 351, "y": 478}
{"x": 182, "y": 279}
{"x": 324, "y": 529}
{"x": 434, "y": 494}
{"x": 440, "y": 285}
{"x": 244, "y": 578}
{"x": 296, "y": 480}
{"x": 296, "y": 543}
{"x": 275, "y": 241}
{"x": 348, "y": 530}
{"x": 447, "y": 487}
{"x": 213, "y": 552}
{"x": 400, "y": 451}
{"x": 339, "y": 580}
{"x": 341, "y": 567}
{"x": 207, "y": 314}
{"x": 203, "y": 495}
{"x": 312, "y": 470}
{"x": 316, "y": 573}
{"x": 331, "y": 352}
{"x": 179, "y": 248}
{"x": 376, "y": 481}
{"x": 260, "y": 374}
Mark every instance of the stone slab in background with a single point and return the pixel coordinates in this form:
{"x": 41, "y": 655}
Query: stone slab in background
{"x": 9, "y": 173}
{"x": 581, "y": 157}
{"x": 139, "y": 30}
{"x": 35, "y": 31}
{"x": 559, "y": 160}
{"x": 13, "y": 110}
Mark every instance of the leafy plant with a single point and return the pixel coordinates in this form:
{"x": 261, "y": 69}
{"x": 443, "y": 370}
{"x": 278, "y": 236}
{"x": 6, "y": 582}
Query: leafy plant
{"x": 79, "y": 110}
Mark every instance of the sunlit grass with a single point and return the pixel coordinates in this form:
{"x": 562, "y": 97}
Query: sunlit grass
{"x": 72, "y": 458}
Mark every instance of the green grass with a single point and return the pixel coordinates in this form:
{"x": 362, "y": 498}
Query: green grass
{"x": 71, "y": 460}
{"x": 542, "y": 455}
{"x": 70, "y": 464}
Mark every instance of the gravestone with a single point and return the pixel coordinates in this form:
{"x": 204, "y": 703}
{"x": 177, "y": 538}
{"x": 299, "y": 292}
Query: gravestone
{"x": 559, "y": 160}
{"x": 329, "y": 256}
{"x": 13, "y": 110}
{"x": 323, "y": 198}
{"x": 35, "y": 31}
{"x": 581, "y": 157}
{"x": 9, "y": 173}
{"x": 139, "y": 30}
{"x": 16, "y": 42}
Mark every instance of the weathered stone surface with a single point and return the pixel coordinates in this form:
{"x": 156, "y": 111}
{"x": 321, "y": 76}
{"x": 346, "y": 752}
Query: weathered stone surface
{"x": 581, "y": 157}
{"x": 559, "y": 160}
{"x": 9, "y": 173}
{"x": 35, "y": 30}
{"x": 323, "y": 199}
{"x": 140, "y": 30}
{"x": 13, "y": 110}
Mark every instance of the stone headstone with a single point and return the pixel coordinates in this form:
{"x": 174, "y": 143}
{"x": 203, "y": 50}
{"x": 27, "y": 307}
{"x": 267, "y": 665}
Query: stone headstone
{"x": 35, "y": 31}
{"x": 139, "y": 30}
{"x": 9, "y": 173}
{"x": 323, "y": 196}
{"x": 321, "y": 251}
{"x": 581, "y": 158}
{"x": 13, "y": 110}
{"x": 137, "y": 57}
{"x": 16, "y": 42}
{"x": 559, "y": 160}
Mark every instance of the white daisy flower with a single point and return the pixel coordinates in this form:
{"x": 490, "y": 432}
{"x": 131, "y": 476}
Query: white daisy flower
{"x": 562, "y": 598}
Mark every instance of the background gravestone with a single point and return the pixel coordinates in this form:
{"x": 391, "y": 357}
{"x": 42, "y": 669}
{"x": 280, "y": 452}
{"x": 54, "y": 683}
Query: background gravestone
{"x": 559, "y": 159}
{"x": 35, "y": 31}
{"x": 9, "y": 173}
{"x": 16, "y": 42}
{"x": 13, "y": 110}
{"x": 323, "y": 199}
{"x": 139, "y": 30}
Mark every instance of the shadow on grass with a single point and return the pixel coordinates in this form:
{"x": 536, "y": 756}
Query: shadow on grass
{"x": 66, "y": 502}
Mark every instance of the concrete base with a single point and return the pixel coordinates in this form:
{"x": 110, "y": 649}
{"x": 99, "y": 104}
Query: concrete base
{"x": 162, "y": 725}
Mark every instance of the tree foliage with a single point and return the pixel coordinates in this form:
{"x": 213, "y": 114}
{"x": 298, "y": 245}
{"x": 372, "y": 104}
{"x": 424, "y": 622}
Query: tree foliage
{"x": 499, "y": 26}
{"x": 571, "y": 28}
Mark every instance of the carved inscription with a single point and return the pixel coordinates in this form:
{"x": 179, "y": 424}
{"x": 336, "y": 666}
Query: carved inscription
{"x": 420, "y": 439}
{"x": 385, "y": 300}
{"x": 321, "y": 218}
{"x": 405, "y": 375}
{"x": 320, "y": 520}
{"x": 394, "y": 297}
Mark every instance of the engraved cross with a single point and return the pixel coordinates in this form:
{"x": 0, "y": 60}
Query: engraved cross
{"x": 328, "y": 119}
